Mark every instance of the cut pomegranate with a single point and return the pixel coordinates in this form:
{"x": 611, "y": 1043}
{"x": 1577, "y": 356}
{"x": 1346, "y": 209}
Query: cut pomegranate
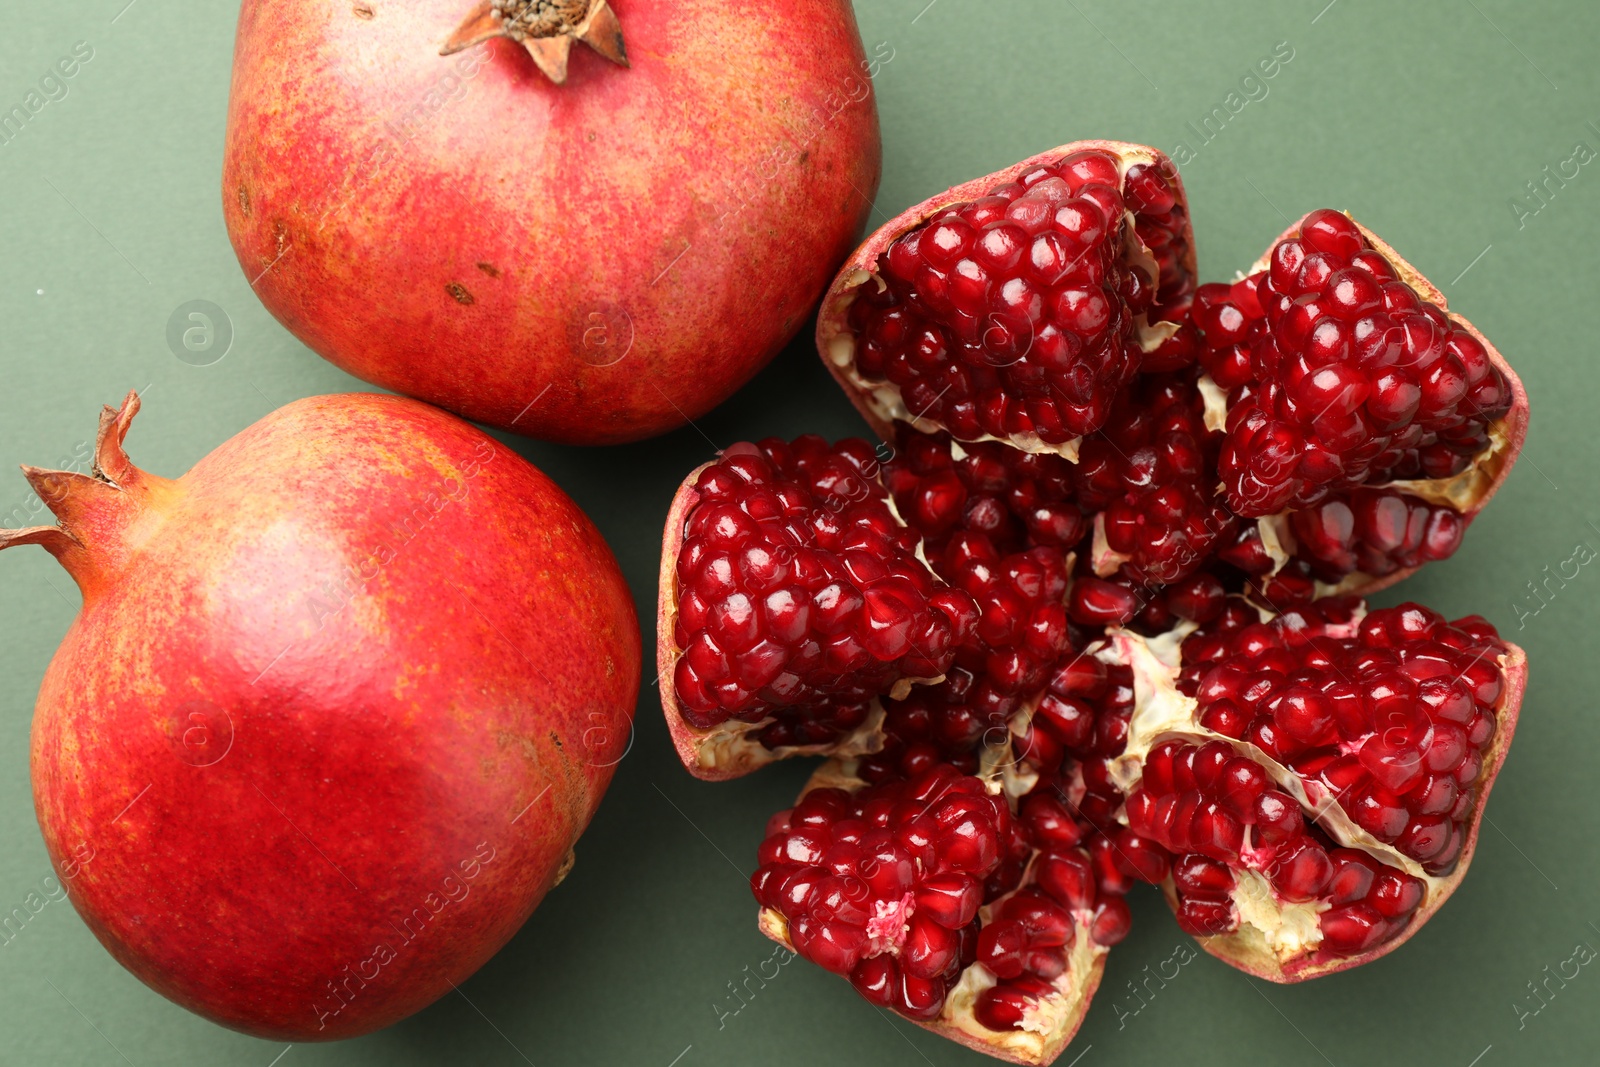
{"x": 1101, "y": 480}
{"x": 1015, "y": 307}
{"x": 1320, "y": 775}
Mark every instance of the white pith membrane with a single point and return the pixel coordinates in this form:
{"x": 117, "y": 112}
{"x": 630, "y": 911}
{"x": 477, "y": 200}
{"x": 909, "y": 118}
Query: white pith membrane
{"x": 1273, "y": 933}
{"x": 838, "y": 343}
{"x": 1049, "y": 1025}
{"x": 1460, "y": 492}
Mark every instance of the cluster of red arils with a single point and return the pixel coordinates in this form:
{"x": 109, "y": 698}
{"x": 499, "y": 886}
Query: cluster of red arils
{"x": 1090, "y": 616}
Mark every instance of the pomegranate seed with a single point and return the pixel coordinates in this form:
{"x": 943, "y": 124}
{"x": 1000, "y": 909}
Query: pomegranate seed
{"x": 1351, "y": 929}
{"x": 1112, "y": 921}
{"x": 1005, "y": 1006}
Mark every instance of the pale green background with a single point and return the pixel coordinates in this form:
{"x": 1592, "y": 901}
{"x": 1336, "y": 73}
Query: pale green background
{"x": 1422, "y": 119}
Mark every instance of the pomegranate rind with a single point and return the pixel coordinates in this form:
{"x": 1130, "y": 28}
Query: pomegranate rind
{"x": 685, "y": 739}
{"x": 1076, "y": 986}
{"x": 725, "y": 752}
{"x": 836, "y": 342}
{"x": 1466, "y": 493}
{"x": 1243, "y": 954}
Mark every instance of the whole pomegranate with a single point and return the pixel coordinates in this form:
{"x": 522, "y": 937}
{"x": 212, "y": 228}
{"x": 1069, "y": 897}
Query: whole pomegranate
{"x": 1089, "y": 615}
{"x": 337, "y": 706}
{"x": 588, "y": 244}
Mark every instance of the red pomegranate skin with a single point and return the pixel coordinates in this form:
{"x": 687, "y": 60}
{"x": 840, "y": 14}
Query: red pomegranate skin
{"x": 591, "y": 262}
{"x": 338, "y": 704}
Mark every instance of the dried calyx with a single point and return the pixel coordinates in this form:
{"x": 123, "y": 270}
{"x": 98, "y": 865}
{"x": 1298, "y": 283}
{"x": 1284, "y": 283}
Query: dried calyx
{"x": 546, "y": 28}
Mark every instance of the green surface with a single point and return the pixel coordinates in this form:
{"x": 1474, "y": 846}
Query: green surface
{"x": 1425, "y": 121}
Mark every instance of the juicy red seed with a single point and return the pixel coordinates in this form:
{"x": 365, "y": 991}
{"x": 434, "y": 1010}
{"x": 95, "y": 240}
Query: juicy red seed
{"x": 1147, "y": 190}
{"x": 1097, "y": 602}
{"x": 1204, "y": 918}
{"x": 1351, "y": 929}
{"x": 1395, "y": 895}
{"x": 951, "y": 900}
{"x": 1112, "y": 921}
{"x": 1199, "y": 598}
{"x": 1197, "y": 876}
{"x": 1068, "y": 877}
{"x": 1302, "y": 871}
{"x": 1004, "y": 1006}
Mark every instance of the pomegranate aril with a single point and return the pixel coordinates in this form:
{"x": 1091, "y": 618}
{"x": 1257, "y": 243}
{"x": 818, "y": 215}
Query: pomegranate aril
{"x": 1351, "y": 929}
{"x": 1068, "y": 877}
{"x": 1112, "y": 920}
{"x": 920, "y": 998}
{"x": 1302, "y": 871}
{"x": 833, "y": 946}
{"x": 951, "y": 900}
{"x": 1006, "y": 1005}
{"x": 930, "y": 949}
{"x": 1205, "y": 918}
{"x": 1003, "y": 947}
{"x": 1395, "y": 895}
{"x": 1102, "y": 603}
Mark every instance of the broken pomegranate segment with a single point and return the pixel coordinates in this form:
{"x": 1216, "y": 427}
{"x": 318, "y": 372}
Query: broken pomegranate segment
{"x": 1016, "y": 307}
{"x": 1319, "y": 775}
{"x": 936, "y": 903}
{"x": 792, "y": 598}
{"x": 1356, "y": 401}
{"x": 798, "y": 598}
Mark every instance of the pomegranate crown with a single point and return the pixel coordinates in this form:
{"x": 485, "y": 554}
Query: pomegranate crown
{"x": 90, "y": 509}
{"x": 546, "y": 28}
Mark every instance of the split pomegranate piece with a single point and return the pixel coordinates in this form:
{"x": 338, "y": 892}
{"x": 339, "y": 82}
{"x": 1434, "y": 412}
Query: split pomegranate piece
{"x": 792, "y": 596}
{"x": 797, "y": 598}
{"x": 1319, "y": 776}
{"x": 930, "y": 896}
{"x": 1015, "y": 307}
{"x": 1356, "y": 399}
